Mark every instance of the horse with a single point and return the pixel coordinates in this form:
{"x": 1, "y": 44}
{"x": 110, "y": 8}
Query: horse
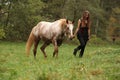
{"x": 49, "y": 32}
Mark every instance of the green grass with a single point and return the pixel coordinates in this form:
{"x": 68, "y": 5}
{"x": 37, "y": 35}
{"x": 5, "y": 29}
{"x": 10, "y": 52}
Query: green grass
{"x": 100, "y": 62}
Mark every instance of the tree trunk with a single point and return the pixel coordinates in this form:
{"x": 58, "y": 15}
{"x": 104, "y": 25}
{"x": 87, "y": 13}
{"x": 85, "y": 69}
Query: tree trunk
{"x": 7, "y": 20}
{"x": 96, "y": 28}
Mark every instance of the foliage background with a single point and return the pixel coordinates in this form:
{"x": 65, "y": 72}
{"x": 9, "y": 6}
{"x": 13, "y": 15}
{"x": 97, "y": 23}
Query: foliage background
{"x": 17, "y": 17}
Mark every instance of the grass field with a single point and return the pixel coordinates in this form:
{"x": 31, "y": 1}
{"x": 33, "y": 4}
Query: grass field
{"x": 100, "y": 62}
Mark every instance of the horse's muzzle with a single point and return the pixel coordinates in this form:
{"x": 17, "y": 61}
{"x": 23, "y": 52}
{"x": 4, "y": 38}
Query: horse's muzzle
{"x": 71, "y": 38}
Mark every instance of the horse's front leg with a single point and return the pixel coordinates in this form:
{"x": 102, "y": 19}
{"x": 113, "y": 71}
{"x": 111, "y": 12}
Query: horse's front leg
{"x": 55, "y": 48}
{"x": 46, "y": 43}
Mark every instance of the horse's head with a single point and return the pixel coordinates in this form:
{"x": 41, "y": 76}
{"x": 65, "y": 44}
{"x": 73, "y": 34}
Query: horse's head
{"x": 69, "y": 29}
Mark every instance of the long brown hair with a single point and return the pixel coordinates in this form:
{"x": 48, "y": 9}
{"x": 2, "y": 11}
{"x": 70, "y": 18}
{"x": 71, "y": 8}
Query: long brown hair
{"x": 84, "y": 17}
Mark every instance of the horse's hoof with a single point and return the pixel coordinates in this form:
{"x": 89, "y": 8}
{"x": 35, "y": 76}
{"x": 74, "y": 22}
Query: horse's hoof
{"x": 45, "y": 56}
{"x": 27, "y": 55}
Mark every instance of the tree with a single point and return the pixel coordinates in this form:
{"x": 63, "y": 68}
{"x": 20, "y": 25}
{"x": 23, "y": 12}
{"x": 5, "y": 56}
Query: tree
{"x": 112, "y": 9}
{"x": 53, "y": 9}
{"x": 17, "y": 17}
{"x": 23, "y": 15}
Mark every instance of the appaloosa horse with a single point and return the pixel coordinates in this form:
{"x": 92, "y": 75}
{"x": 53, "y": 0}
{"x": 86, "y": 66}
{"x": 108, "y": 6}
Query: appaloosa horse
{"x": 49, "y": 32}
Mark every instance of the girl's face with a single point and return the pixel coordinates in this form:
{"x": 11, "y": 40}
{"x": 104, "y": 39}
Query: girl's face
{"x": 86, "y": 14}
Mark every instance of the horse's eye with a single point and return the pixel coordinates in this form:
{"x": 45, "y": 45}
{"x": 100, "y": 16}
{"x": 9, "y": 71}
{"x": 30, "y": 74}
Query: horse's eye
{"x": 67, "y": 28}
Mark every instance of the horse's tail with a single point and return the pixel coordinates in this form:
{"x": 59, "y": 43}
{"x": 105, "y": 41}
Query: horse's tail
{"x": 29, "y": 43}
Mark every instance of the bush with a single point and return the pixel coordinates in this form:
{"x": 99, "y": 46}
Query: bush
{"x": 2, "y": 34}
{"x": 97, "y": 40}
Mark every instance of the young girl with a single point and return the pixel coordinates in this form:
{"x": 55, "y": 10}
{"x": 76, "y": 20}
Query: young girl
{"x": 82, "y": 32}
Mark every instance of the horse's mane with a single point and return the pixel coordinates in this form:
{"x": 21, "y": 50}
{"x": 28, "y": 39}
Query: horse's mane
{"x": 64, "y": 22}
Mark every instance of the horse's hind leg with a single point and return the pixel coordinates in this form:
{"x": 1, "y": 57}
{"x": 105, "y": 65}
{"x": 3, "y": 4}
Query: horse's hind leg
{"x": 55, "y": 51}
{"x": 43, "y": 48}
{"x": 35, "y": 47}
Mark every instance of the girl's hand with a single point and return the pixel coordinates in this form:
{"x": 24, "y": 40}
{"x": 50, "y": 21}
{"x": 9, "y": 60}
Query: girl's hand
{"x": 89, "y": 38}
{"x": 73, "y": 36}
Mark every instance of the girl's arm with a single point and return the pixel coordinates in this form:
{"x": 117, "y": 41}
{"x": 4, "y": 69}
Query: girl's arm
{"x": 79, "y": 21}
{"x": 89, "y": 29}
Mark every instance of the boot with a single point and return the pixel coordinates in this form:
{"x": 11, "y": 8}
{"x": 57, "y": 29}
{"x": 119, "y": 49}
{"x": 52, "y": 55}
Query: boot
{"x": 81, "y": 55}
{"x": 75, "y": 52}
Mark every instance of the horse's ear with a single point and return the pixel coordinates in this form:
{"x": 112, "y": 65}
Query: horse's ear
{"x": 73, "y": 22}
{"x": 67, "y": 21}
